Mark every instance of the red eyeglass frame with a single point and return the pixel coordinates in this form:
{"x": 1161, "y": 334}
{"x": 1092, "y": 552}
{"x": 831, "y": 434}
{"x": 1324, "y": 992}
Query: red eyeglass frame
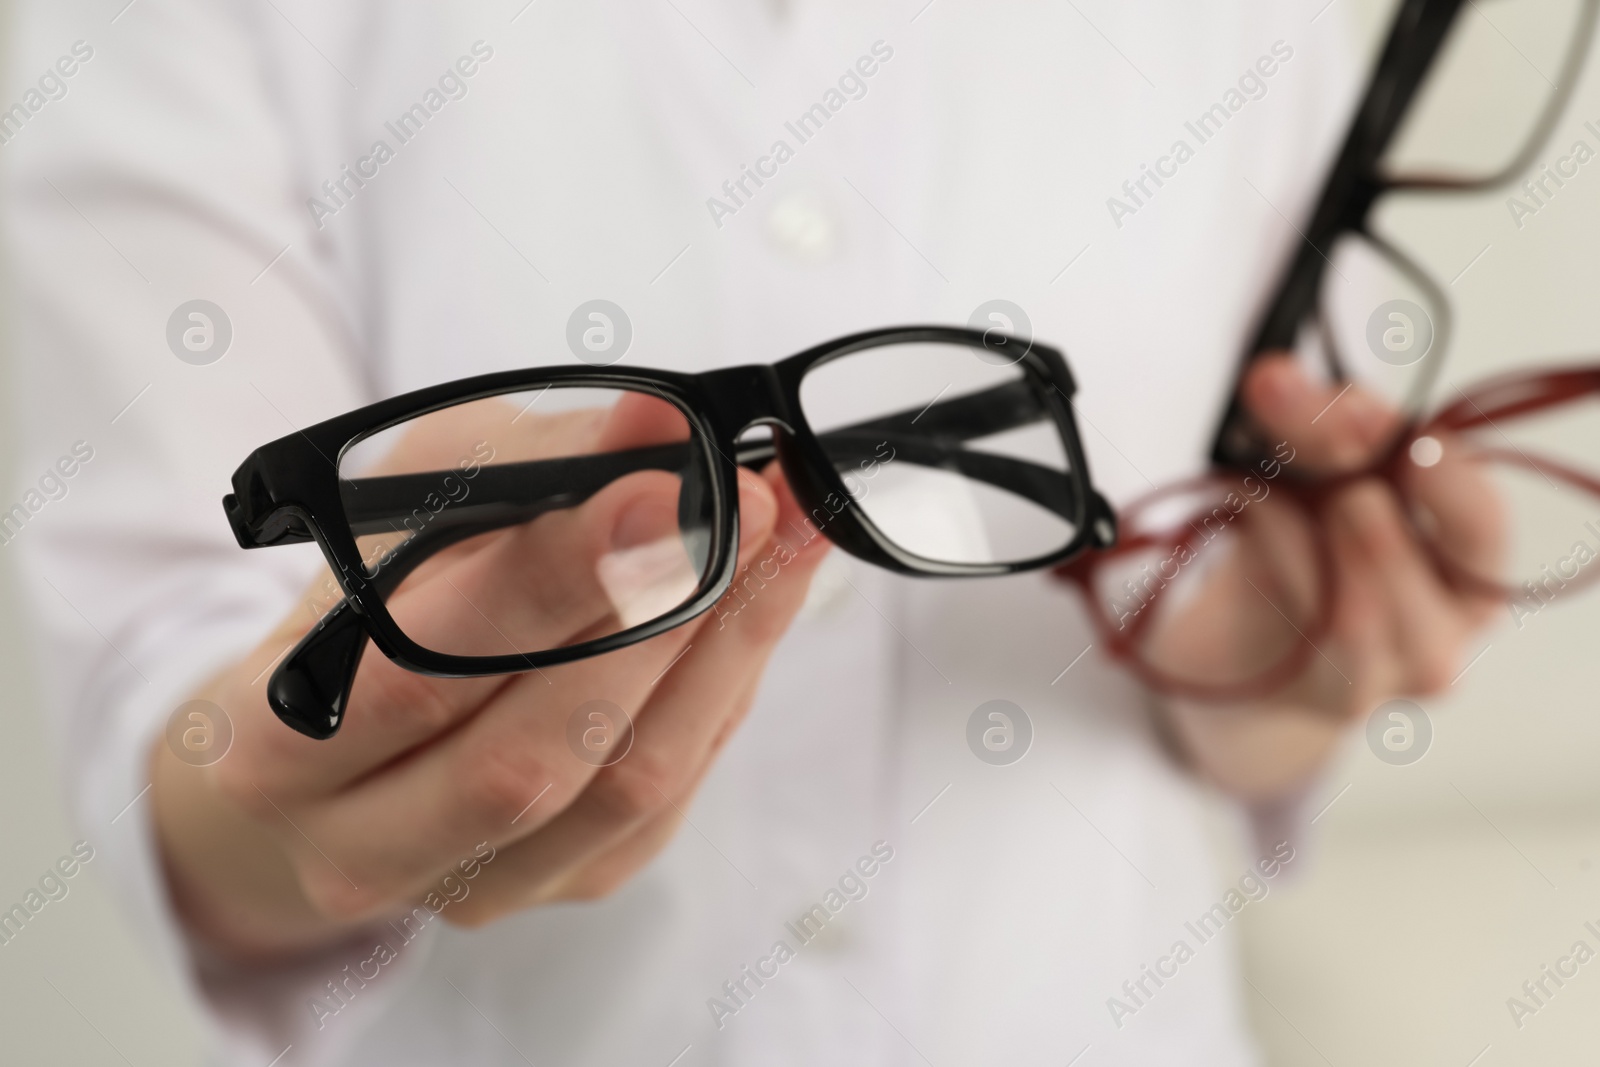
{"x": 1496, "y": 399}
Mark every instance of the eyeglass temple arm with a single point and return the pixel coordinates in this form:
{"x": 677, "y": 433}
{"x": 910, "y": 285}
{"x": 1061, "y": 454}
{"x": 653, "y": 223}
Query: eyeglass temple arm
{"x": 308, "y": 691}
{"x": 1516, "y": 394}
{"x": 988, "y": 411}
{"x": 518, "y": 492}
{"x": 514, "y": 494}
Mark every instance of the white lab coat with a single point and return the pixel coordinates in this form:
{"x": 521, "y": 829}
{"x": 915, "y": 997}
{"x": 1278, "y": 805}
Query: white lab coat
{"x": 579, "y": 163}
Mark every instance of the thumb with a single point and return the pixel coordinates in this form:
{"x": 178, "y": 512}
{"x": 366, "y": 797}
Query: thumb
{"x": 1332, "y": 427}
{"x": 648, "y": 569}
{"x": 758, "y": 513}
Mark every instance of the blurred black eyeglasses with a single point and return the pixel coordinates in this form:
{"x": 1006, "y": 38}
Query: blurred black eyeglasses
{"x": 1432, "y": 121}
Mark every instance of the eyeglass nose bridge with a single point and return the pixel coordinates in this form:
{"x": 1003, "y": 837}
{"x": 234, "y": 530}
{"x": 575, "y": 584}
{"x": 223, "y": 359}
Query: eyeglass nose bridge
{"x": 743, "y": 397}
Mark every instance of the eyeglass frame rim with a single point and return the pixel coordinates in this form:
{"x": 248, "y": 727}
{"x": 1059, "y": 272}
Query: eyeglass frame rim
{"x": 1476, "y": 407}
{"x": 287, "y": 491}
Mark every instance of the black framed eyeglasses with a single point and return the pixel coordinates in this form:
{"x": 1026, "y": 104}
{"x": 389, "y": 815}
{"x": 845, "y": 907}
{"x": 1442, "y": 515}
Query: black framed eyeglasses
{"x": 1431, "y": 121}
{"x": 578, "y": 509}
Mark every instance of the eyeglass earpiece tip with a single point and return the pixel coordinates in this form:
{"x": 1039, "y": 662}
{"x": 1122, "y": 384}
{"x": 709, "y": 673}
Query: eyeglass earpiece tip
{"x": 311, "y": 686}
{"x": 299, "y": 707}
{"x": 1104, "y": 525}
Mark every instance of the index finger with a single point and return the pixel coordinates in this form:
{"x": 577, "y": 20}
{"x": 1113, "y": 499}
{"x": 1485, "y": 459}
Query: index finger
{"x": 545, "y": 586}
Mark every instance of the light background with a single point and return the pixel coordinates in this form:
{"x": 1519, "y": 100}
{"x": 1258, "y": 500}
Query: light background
{"x": 1430, "y": 892}
{"x": 1433, "y": 891}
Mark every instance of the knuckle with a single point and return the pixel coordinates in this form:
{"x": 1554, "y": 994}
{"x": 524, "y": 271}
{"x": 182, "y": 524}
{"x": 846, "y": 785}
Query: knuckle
{"x": 468, "y": 920}
{"x": 498, "y": 781}
{"x": 236, "y": 784}
{"x": 765, "y": 620}
{"x": 263, "y": 740}
{"x": 765, "y": 627}
{"x": 633, "y": 788}
{"x": 472, "y": 914}
{"x": 1432, "y": 673}
{"x": 396, "y": 700}
{"x": 725, "y": 731}
{"x": 332, "y": 895}
{"x": 593, "y": 888}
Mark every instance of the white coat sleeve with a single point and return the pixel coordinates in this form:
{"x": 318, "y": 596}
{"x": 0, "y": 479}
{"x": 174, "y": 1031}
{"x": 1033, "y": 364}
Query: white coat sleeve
{"x": 161, "y": 170}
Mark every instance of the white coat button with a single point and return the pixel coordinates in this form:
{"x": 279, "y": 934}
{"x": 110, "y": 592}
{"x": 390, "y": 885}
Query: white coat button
{"x": 805, "y": 226}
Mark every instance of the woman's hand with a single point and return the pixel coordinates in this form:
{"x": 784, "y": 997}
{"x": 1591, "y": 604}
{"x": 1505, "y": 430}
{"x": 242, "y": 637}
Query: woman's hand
{"x": 1398, "y": 628}
{"x": 287, "y": 843}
